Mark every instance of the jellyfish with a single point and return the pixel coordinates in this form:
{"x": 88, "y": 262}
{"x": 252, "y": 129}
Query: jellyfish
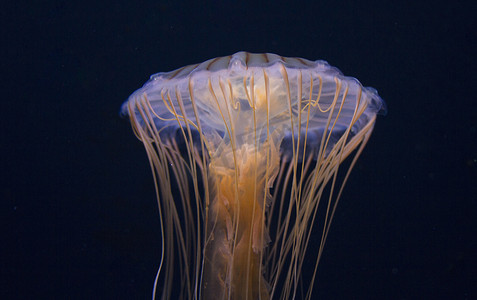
{"x": 245, "y": 151}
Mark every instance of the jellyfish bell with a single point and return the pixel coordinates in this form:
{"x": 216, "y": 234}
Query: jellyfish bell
{"x": 245, "y": 152}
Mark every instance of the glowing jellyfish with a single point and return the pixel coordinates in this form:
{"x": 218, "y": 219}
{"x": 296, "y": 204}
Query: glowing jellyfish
{"x": 245, "y": 152}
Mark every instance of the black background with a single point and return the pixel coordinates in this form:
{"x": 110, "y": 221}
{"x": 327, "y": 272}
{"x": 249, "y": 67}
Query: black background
{"x": 78, "y": 212}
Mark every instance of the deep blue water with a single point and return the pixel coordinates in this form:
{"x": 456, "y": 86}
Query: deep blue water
{"x": 79, "y": 215}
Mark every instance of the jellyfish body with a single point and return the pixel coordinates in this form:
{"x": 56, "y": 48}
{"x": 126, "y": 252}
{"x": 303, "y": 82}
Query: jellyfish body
{"x": 245, "y": 151}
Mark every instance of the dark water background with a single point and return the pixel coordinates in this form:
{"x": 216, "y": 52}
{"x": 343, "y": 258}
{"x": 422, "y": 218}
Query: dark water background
{"x": 78, "y": 212}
